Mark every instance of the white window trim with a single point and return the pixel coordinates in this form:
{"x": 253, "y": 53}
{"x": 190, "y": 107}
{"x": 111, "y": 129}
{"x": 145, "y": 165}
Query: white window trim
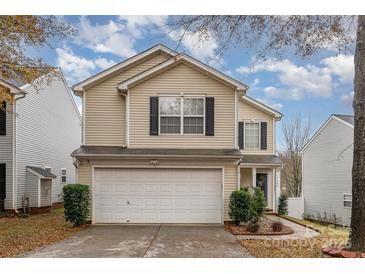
{"x": 244, "y": 135}
{"x": 181, "y": 116}
{"x": 344, "y": 200}
{"x": 63, "y": 169}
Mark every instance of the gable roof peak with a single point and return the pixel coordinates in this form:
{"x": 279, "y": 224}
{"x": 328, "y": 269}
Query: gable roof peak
{"x": 80, "y": 87}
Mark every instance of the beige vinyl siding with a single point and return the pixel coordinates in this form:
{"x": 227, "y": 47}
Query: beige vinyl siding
{"x": 105, "y": 122}
{"x": 230, "y": 184}
{"x": 246, "y": 113}
{"x": 188, "y": 80}
{"x": 84, "y": 171}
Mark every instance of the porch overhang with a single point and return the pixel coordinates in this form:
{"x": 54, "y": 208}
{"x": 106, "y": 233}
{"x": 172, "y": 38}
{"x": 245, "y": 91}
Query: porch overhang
{"x": 260, "y": 160}
{"x": 123, "y": 152}
{"x": 41, "y": 173}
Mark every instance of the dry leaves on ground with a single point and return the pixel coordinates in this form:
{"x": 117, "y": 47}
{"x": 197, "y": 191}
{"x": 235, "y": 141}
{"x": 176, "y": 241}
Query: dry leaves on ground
{"x": 18, "y": 235}
{"x": 303, "y": 248}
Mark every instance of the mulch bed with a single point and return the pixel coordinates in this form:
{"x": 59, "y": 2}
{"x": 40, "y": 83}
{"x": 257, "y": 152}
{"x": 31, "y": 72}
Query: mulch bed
{"x": 341, "y": 252}
{"x": 264, "y": 229}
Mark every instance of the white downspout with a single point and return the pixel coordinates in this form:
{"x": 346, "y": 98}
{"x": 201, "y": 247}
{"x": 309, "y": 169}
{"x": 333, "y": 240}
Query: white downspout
{"x": 15, "y": 207}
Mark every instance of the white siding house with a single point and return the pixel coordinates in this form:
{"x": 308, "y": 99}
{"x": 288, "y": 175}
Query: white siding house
{"x": 47, "y": 128}
{"x": 327, "y": 165}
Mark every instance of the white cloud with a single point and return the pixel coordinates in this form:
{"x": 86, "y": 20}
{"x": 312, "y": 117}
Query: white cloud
{"x": 75, "y": 67}
{"x": 298, "y": 81}
{"x": 104, "y": 63}
{"x": 285, "y": 93}
{"x": 135, "y": 24}
{"x": 78, "y": 68}
{"x": 277, "y": 106}
{"x": 347, "y": 98}
{"x": 203, "y": 48}
{"x": 342, "y": 66}
{"x": 111, "y": 37}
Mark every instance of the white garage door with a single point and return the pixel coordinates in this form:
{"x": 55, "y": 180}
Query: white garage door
{"x": 157, "y": 195}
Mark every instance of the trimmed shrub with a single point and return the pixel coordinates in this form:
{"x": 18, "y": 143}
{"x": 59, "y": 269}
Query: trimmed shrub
{"x": 258, "y": 202}
{"x": 240, "y": 205}
{"x": 277, "y": 226}
{"x": 246, "y": 206}
{"x": 283, "y": 205}
{"x": 76, "y": 203}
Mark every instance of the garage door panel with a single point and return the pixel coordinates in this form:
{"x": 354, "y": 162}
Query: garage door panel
{"x": 157, "y": 195}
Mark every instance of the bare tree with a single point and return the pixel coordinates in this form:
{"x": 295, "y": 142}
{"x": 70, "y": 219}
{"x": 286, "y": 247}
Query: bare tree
{"x": 296, "y": 133}
{"x": 305, "y": 36}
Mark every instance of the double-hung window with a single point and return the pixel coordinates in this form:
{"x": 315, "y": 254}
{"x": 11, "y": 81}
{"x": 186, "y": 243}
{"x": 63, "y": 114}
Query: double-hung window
{"x": 252, "y": 135}
{"x": 179, "y": 115}
{"x": 194, "y": 116}
{"x": 63, "y": 175}
{"x": 347, "y": 200}
{"x": 170, "y": 115}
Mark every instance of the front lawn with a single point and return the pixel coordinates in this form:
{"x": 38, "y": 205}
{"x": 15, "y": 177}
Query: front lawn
{"x": 306, "y": 248}
{"x": 19, "y": 234}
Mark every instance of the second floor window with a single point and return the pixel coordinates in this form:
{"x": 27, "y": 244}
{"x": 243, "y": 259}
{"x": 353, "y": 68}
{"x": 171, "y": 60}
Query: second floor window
{"x": 252, "y": 135}
{"x": 181, "y": 115}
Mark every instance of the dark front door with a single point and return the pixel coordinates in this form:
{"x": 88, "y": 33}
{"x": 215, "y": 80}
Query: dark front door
{"x": 261, "y": 182}
{"x": 2, "y": 186}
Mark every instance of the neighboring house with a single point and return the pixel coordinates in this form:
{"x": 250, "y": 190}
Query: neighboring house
{"x": 327, "y": 169}
{"x": 166, "y": 139}
{"x": 39, "y": 129}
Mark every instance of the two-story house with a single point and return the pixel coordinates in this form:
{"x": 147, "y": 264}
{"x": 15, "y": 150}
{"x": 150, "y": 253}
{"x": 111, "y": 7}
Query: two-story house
{"x": 166, "y": 139}
{"x": 39, "y": 128}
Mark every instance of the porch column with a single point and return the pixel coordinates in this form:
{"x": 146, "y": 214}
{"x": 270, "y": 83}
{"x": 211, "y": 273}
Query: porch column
{"x": 253, "y": 177}
{"x": 277, "y": 185}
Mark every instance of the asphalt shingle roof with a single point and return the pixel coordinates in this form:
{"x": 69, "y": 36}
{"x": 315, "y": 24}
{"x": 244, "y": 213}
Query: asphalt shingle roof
{"x": 347, "y": 118}
{"x": 42, "y": 171}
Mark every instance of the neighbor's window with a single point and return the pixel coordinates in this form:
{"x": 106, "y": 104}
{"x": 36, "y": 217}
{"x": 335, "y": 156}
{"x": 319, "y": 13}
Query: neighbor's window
{"x": 194, "y": 115}
{"x": 63, "y": 175}
{"x": 252, "y": 135}
{"x": 347, "y": 200}
{"x": 181, "y": 115}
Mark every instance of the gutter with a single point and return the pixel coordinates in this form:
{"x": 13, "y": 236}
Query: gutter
{"x": 158, "y": 156}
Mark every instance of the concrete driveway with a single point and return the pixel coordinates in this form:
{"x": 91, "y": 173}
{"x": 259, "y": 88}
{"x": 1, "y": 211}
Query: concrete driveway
{"x": 162, "y": 241}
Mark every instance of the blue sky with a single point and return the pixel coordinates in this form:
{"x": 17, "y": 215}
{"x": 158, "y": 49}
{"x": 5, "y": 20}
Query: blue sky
{"x": 316, "y": 86}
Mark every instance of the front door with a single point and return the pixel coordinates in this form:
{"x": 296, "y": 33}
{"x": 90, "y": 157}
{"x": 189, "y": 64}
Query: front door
{"x": 2, "y": 186}
{"x": 261, "y": 182}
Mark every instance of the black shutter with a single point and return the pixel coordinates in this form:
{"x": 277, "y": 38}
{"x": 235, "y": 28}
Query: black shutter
{"x": 263, "y": 135}
{"x": 209, "y": 116}
{"x": 241, "y": 128}
{"x": 3, "y": 119}
{"x": 153, "y": 115}
{"x": 2, "y": 181}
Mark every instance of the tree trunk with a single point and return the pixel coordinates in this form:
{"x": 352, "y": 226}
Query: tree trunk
{"x": 357, "y": 237}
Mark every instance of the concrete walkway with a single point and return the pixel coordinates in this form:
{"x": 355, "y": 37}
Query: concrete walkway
{"x": 159, "y": 241}
{"x": 300, "y": 232}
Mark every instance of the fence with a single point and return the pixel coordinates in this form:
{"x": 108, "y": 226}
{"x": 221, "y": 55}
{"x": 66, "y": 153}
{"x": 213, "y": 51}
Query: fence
{"x": 296, "y": 207}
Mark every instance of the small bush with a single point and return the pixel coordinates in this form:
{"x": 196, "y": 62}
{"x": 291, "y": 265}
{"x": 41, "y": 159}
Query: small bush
{"x": 258, "y": 203}
{"x": 239, "y": 206}
{"x": 76, "y": 203}
{"x": 277, "y": 226}
{"x": 246, "y": 206}
{"x": 283, "y": 205}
